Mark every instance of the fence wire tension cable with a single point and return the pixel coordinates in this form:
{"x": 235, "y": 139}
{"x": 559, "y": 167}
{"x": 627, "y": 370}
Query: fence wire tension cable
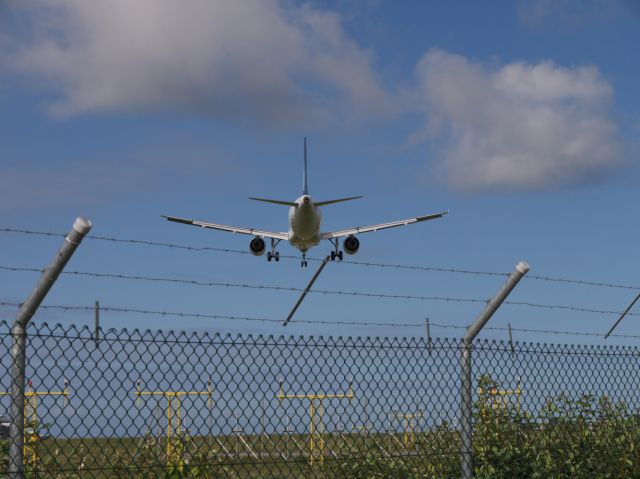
{"x": 622, "y": 316}
{"x": 306, "y": 290}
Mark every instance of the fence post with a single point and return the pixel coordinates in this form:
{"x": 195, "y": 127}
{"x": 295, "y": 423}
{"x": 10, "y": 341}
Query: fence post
{"x": 466, "y": 411}
{"x": 18, "y": 350}
{"x": 96, "y": 334}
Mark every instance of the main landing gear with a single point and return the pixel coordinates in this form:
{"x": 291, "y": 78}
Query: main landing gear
{"x": 273, "y": 254}
{"x": 336, "y": 253}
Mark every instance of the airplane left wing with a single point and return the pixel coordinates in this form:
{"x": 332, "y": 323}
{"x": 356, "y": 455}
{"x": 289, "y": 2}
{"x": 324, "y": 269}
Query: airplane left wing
{"x": 368, "y": 229}
{"x": 231, "y": 229}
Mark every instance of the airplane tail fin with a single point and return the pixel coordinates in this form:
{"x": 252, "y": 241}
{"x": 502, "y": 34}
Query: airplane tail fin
{"x": 305, "y": 190}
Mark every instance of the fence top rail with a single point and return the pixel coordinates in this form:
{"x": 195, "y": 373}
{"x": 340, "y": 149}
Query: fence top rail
{"x": 432, "y": 345}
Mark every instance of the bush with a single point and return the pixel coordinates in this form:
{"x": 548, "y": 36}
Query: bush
{"x": 569, "y": 438}
{"x": 586, "y": 437}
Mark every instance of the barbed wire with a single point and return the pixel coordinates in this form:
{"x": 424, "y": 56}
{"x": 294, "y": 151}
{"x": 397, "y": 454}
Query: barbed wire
{"x": 556, "y": 331}
{"x": 117, "y": 309}
{"x": 347, "y": 262}
{"x": 148, "y": 312}
{"x": 581, "y": 282}
{"x": 195, "y": 282}
{"x": 131, "y": 241}
{"x": 245, "y": 252}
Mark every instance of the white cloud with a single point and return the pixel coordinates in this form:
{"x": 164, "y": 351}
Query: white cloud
{"x": 271, "y": 62}
{"x": 250, "y": 60}
{"x": 518, "y": 126}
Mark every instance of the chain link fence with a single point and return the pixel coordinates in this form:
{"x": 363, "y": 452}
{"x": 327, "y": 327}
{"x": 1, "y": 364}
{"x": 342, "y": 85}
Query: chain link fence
{"x": 146, "y": 404}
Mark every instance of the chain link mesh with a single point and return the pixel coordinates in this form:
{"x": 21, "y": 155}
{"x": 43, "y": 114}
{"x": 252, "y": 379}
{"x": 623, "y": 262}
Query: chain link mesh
{"x": 145, "y": 404}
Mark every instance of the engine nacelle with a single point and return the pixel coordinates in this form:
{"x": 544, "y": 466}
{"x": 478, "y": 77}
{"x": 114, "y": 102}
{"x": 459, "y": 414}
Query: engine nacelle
{"x": 257, "y": 246}
{"x": 351, "y": 244}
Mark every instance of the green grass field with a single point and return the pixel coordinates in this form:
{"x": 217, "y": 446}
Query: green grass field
{"x": 229, "y": 456}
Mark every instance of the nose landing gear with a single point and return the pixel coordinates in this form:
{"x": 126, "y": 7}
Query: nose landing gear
{"x": 303, "y": 263}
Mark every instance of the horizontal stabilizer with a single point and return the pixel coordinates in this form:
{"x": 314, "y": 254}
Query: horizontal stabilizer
{"x": 277, "y": 202}
{"x": 323, "y": 203}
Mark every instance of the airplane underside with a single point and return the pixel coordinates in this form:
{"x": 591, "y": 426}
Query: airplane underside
{"x": 351, "y": 245}
{"x": 304, "y": 246}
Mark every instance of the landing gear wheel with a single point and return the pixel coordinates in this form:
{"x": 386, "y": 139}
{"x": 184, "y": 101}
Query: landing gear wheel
{"x": 340, "y": 255}
{"x": 333, "y": 256}
{"x": 269, "y": 256}
{"x": 277, "y": 255}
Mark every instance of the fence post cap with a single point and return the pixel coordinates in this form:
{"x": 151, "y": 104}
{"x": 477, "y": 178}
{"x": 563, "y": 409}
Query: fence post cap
{"x": 82, "y": 225}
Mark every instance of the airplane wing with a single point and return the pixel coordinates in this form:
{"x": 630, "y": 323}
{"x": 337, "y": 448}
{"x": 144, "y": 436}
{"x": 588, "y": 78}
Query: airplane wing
{"x": 231, "y": 229}
{"x": 367, "y": 229}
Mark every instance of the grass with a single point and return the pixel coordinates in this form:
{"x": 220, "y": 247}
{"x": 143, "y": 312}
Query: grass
{"x": 274, "y": 455}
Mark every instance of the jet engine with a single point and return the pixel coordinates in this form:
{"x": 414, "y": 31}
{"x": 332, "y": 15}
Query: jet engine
{"x": 257, "y": 246}
{"x": 351, "y": 244}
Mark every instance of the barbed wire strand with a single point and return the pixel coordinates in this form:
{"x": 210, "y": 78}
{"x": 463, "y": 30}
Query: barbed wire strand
{"x": 209, "y": 316}
{"x": 119, "y": 309}
{"x": 348, "y": 262}
{"x": 195, "y": 282}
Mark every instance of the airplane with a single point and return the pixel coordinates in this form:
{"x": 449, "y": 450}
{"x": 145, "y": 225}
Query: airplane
{"x": 304, "y": 226}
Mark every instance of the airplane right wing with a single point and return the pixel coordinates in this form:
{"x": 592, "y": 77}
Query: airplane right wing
{"x": 382, "y": 226}
{"x": 231, "y": 229}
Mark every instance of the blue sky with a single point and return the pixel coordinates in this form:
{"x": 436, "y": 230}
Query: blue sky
{"x": 522, "y": 118}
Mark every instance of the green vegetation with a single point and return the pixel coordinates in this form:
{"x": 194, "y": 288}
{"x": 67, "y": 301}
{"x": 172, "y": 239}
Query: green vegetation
{"x": 583, "y": 437}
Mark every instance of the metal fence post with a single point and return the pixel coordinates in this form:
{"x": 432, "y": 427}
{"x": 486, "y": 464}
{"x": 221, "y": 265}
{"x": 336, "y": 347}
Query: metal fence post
{"x": 96, "y": 335}
{"x": 466, "y": 409}
{"x": 19, "y": 335}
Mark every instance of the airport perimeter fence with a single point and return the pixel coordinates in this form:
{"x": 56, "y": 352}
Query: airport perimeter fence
{"x": 145, "y": 404}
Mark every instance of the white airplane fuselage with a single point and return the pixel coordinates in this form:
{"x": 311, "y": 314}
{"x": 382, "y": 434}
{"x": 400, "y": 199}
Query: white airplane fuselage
{"x": 304, "y": 224}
